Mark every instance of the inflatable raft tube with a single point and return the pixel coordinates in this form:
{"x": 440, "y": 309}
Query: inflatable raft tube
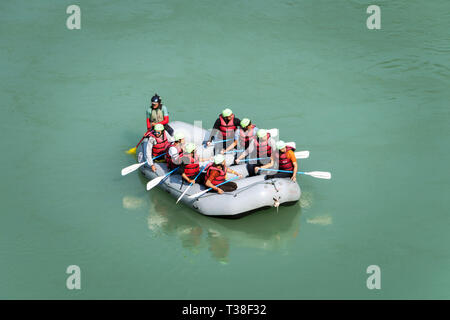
{"x": 252, "y": 193}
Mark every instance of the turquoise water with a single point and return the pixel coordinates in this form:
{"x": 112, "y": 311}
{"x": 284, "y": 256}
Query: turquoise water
{"x": 372, "y": 107}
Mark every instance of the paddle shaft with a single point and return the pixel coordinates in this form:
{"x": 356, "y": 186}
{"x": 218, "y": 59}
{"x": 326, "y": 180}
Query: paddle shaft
{"x": 198, "y": 174}
{"x": 222, "y": 183}
{"x": 298, "y": 172}
{"x": 141, "y": 139}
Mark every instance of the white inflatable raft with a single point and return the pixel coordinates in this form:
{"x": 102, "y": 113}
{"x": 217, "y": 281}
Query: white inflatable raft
{"x": 252, "y": 193}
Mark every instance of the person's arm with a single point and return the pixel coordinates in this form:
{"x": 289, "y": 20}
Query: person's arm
{"x": 185, "y": 177}
{"x": 234, "y": 172}
{"x": 249, "y": 150}
{"x": 230, "y": 147}
{"x": 149, "y": 153}
{"x": 169, "y": 137}
{"x": 149, "y": 123}
{"x": 291, "y": 156}
{"x": 272, "y": 157}
{"x": 266, "y": 166}
{"x": 214, "y": 130}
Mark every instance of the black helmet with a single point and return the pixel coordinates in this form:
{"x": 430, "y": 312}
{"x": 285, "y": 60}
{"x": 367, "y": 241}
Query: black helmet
{"x": 156, "y": 98}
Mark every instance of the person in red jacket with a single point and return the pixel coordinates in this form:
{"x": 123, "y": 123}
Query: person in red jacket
{"x": 224, "y": 128}
{"x": 286, "y": 161}
{"x": 190, "y": 165}
{"x": 216, "y": 173}
{"x": 157, "y": 113}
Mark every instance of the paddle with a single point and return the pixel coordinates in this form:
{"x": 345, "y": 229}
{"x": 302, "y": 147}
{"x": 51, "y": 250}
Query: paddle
{"x": 298, "y": 155}
{"x": 136, "y": 166}
{"x": 244, "y": 160}
{"x": 201, "y": 170}
{"x": 222, "y": 141}
{"x": 133, "y": 150}
{"x": 302, "y": 154}
{"x": 154, "y": 182}
{"x": 198, "y": 194}
{"x": 315, "y": 174}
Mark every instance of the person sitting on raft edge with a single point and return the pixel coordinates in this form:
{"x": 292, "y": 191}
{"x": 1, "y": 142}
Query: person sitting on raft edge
{"x": 286, "y": 161}
{"x": 263, "y": 148}
{"x": 226, "y": 124}
{"x": 157, "y": 113}
{"x": 244, "y": 135}
{"x": 175, "y": 151}
{"x": 216, "y": 173}
{"x": 190, "y": 164}
{"x": 157, "y": 144}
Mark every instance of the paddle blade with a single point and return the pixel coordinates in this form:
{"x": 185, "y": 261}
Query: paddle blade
{"x": 131, "y": 151}
{"x": 154, "y": 182}
{"x": 198, "y": 194}
{"x": 319, "y": 174}
{"x": 183, "y": 193}
{"x": 302, "y": 154}
{"x": 131, "y": 168}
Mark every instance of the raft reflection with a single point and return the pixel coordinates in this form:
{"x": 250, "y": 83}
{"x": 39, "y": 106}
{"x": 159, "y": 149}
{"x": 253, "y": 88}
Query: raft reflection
{"x": 263, "y": 230}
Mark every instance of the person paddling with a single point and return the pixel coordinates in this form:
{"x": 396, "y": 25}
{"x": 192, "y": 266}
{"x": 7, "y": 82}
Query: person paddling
{"x": 216, "y": 174}
{"x": 286, "y": 161}
{"x": 175, "y": 151}
{"x": 224, "y": 128}
{"x": 190, "y": 164}
{"x": 261, "y": 148}
{"x": 157, "y": 143}
{"x": 157, "y": 114}
{"x": 244, "y": 135}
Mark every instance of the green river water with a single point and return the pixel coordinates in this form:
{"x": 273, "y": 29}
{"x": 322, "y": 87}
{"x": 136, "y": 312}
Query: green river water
{"x": 372, "y": 107}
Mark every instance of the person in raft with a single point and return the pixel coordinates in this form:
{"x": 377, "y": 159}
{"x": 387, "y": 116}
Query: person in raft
{"x": 244, "y": 135}
{"x": 157, "y": 113}
{"x": 216, "y": 173}
{"x": 224, "y": 128}
{"x": 263, "y": 148}
{"x": 157, "y": 144}
{"x": 190, "y": 164}
{"x": 175, "y": 151}
{"x": 286, "y": 161}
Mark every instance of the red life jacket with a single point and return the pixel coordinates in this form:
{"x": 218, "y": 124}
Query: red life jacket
{"x": 227, "y": 129}
{"x": 191, "y": 167}
{"x": 220, "y": 178}
{"x": 263, "y": 148}
{"x": 284, "y": 163}
{"x": 170, "y": 163}
{"x": 246, "y": 136}
{"x": 161, "y": 144}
